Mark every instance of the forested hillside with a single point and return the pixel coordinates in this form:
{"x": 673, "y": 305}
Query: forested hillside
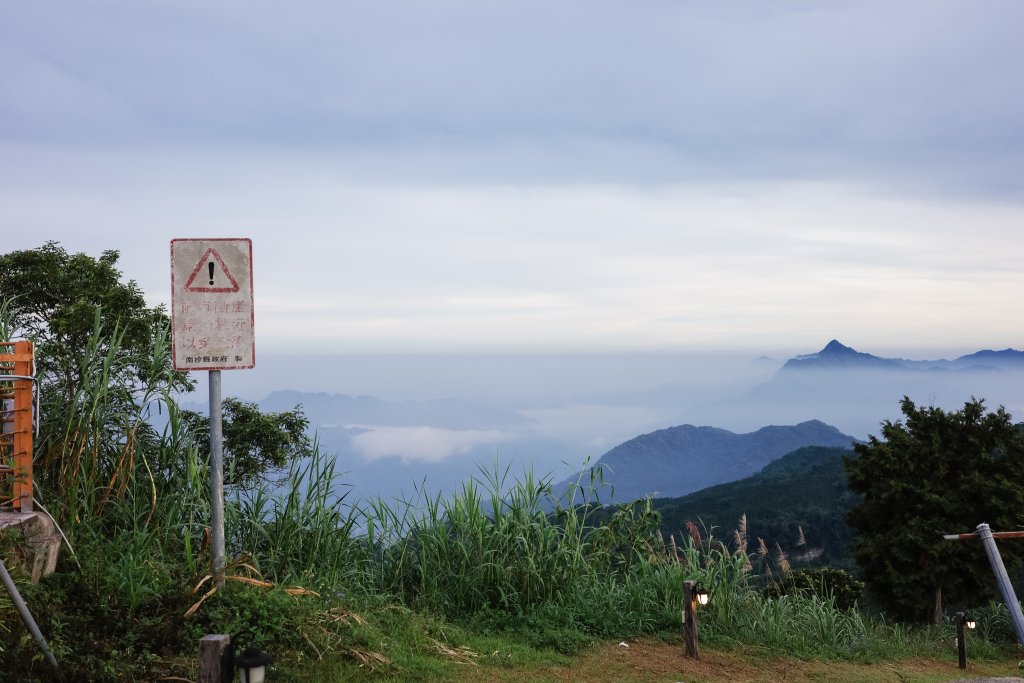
{"x": 680, "y": 460}
{"x": 805, "y": 489}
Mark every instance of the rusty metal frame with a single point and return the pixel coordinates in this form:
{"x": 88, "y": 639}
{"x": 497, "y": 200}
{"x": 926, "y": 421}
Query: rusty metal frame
{"x": 987, "y": 537}
{"x": 17, "y": 370}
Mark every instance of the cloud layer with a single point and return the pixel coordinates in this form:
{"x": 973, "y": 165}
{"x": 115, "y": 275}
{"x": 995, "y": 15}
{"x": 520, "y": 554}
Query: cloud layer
{"x": 920, "y": 93}
{"x": 422, "y": 444}
{"x": 584, "y": 175}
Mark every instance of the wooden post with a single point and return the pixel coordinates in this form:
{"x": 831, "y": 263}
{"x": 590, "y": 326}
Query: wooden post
{"x": 961, "y": 644}
{"x": 690, "y": 619}
{"x": 215, "y": 654}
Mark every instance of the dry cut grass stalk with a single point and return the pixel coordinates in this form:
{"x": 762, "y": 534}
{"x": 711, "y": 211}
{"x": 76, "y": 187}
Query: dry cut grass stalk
{"x": 461, "y": 654}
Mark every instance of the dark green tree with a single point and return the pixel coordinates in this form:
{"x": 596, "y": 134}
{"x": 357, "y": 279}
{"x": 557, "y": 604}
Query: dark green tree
{"x": 56, "y": 299}
{"x": 102, "y": 362}
{"x": 76, "y": 307}
{"x": 255, "y": 442}
{"x": 936, "y": 472}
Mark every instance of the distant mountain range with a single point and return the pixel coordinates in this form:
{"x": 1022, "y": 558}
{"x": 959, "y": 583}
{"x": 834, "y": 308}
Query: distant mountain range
{"x": 857, "y": 391}
{"x": 837, "y": 356}
{"x": 837, "y": 382}
{"x": 386, "y": 447}
{"x": 332, "y": 410}
{"x": 679, "y": 460}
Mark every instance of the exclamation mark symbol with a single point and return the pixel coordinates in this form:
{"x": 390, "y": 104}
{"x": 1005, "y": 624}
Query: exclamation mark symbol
{"x": 210, "y": 267}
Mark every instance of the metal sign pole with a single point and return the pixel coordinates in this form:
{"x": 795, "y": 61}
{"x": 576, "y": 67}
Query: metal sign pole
{"x": 26, "y": 616}
{"x": 212, "y": 320}
{"x": 216, "y": 481}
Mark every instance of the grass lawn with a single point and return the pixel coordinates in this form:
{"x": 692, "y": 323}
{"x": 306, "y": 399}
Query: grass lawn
{"x": 652, "y": 660}
{"x": 646, "y": 660}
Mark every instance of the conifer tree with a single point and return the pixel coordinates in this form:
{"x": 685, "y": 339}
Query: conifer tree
{"x": 935, "y": 472}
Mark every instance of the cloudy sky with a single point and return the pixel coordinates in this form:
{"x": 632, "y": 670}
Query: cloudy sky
{"x": 533, "y": 175}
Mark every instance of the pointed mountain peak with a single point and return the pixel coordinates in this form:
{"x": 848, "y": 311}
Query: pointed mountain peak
{"x": 836, "y": 355}
{"x": 835, "y": 347}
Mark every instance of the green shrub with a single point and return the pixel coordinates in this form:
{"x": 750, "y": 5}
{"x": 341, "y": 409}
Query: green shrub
{"x": 826, "y": 583}
{"x": 253, "y": 616}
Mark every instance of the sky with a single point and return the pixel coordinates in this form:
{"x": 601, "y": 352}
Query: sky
{"x": 474, "y": 176}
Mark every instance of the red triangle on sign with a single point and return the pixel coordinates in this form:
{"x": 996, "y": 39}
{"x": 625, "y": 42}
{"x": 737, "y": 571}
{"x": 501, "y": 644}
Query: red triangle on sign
{"x": 211, "y": 260}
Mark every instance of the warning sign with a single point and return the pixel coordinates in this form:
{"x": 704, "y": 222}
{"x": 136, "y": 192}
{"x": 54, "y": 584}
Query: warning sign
{"x": 212, "y": 266}
{"x": 211, "y": 304}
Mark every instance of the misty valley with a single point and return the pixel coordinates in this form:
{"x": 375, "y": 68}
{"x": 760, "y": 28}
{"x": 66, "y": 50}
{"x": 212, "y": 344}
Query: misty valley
{"x": 672, "y": 430}
{"x": 672, "y": 414}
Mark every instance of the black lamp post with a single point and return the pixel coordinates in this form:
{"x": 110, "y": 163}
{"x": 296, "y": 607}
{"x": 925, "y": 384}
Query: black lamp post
{"x": 252, "y": 665}
{"x": 693, "y": 594}
{"x": 963, "y": 620}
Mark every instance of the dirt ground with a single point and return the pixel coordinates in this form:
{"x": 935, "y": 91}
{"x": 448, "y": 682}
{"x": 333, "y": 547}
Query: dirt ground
{"x": 655, "y": 661}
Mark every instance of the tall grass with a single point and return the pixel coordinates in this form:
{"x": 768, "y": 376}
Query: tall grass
{"x": 304, "y": 532}
{"x": 484, "y": 548}
{"x": 93, "y": 440}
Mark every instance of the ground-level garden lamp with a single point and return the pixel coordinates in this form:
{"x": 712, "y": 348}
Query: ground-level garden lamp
{"x": 252, "y": 665}
{"x": 693, "y": 594}
{"x": 963, "y": 620}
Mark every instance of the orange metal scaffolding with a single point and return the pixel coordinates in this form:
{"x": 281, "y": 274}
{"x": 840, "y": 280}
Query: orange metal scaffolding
{"x": 16, "y": 391}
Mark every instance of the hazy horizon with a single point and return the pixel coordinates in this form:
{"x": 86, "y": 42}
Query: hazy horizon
{"x": 430, "y": 375}
{"x": 553, "y": 412}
